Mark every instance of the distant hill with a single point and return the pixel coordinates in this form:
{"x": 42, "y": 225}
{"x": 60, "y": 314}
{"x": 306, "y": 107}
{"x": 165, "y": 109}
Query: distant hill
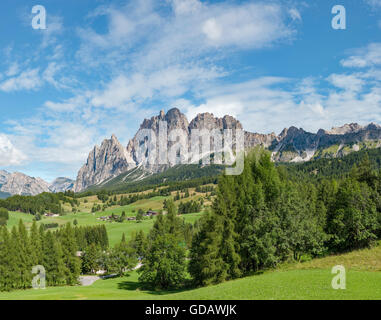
{"x": 334, "y": 167}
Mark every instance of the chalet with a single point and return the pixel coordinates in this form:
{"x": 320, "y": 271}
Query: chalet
{"x": 151, "y": 213}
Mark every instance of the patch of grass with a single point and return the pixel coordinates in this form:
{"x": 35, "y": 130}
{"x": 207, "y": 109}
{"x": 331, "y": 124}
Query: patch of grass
{"x": 360, "y": 260}
{"x": 275, "y": 285}
{"x": 310, "y": 280}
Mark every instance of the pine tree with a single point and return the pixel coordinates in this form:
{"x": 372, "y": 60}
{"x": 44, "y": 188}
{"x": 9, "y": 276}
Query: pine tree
{"x": 53, "y": 261}
{"x": 206, "y": 265}
{"x": 122, "y": 258}
{"x": 69, "y": 247}
{"x": 164, "y": 259}
{"x": 352, "y": 223}
{"x": 36, "y": 245}
{"x": 8, "y": 263}
{"x": 25, "y": 256}
{"x": 91, "y": 259}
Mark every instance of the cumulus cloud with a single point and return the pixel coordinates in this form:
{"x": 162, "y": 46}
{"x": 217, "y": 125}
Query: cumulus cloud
{"x": 125, "y": 92}
{"x": 270, "y": 104}
{"x": 143, "y": 36}
{"x": 248, "y": 26}
{"x": 9, "y": 154}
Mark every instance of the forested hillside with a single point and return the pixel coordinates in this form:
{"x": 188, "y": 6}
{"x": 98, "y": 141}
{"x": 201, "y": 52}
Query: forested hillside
{"x": 263, "y": 217}
{"x": 333, "y": 168}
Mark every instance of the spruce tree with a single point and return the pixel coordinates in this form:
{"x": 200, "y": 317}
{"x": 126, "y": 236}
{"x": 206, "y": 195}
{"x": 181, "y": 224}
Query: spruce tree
{"x": 69, "y": 247}
{"x": 25, "y": 256}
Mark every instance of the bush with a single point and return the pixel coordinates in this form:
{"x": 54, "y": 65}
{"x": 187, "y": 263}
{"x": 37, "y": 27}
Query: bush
{"x": 4, "y": 213}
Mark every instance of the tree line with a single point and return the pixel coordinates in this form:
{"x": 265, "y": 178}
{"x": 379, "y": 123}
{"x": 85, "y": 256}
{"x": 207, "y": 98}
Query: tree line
{"x": 39, "y": 204}
{"x": 56, "y": 251}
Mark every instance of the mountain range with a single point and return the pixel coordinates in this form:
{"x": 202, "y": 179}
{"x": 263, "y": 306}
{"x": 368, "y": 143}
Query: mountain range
{"x": 111, "y": 158}
{"x": 21, "y": 184}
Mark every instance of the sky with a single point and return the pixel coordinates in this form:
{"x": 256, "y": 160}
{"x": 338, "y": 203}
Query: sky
{"x": 100, "y": 67}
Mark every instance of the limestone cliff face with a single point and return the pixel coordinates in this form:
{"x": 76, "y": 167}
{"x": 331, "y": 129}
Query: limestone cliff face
{"x": 292, "y": 144}
{"x": 21, "y": 184}
{"x": 295, "y": 144}
{"x": 111, "y": 159}
{"x": 106, "y": 161}
{"x": 4, "y": 175}
{"x": 61, "y": 184}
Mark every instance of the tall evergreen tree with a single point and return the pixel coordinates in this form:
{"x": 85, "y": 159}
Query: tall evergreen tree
{"x": 69, "y": 247}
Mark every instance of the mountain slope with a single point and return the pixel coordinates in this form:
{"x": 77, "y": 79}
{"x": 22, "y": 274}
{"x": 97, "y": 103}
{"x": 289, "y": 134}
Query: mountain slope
{"x": 21, "y": 184}
{"x": 292, "y": 145}
{"x": 138, "y": 178}
{"x": 61, "y": 184}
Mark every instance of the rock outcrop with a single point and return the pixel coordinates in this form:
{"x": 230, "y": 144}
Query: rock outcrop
{"x": 4, "y": 175}
{"x": 106, "y": 161}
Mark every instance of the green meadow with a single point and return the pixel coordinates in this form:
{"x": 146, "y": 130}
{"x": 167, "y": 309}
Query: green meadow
{"x": 297, "y": 284}
{"x": 115, "y": 230}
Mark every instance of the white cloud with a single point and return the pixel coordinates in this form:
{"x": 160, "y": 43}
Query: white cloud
{"x": 68, "y": 105}
{"x": 50, "y": 75}
{"x": 125, "y": 92}
{"x": 270, "y": 104}
{"x": 54, "y": 27}
{"x": 295, "y": 14}
{"x": 9, "y": 155}
{"x": 364, "y": 57}
{"x": 348, "y": 82}
{"x": 26, "y": 80}
{"x": 13, "y": 69}
{"x": 247, "y": 26}
{"x": 142, "y": 36}
{"x": 183, "y": 7}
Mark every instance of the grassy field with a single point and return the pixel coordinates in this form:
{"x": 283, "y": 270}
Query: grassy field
{"x": 115, "y": 230}
{"x": 293, "y": 284}
{"x": 310, "y": 280}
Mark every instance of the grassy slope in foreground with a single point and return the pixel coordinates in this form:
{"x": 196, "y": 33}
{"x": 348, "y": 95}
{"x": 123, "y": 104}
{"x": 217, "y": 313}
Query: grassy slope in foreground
{"x": 311, "y": 280}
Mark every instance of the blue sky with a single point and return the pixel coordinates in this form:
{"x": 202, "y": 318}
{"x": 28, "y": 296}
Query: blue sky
{"x": 101, "y": 67}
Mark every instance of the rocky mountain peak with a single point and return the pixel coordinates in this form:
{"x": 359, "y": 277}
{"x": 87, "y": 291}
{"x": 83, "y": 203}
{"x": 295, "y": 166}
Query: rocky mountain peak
{"x": 108, "y": 160}
{"x": 292, "y": 144}
{"x": 373, "y": 126}
{"x": 347, "y": 128}
{"x": 21, "y": 184}
{"x": 208, "y": 121}
{"x": 61, "y": 184}
{"x": 176, "y": 120}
